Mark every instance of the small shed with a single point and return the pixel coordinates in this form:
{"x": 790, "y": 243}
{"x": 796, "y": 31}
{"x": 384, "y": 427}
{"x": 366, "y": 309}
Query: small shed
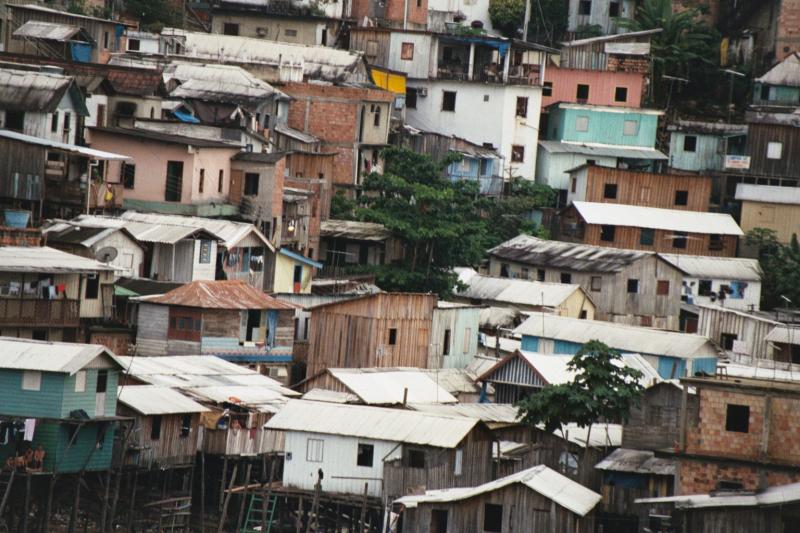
{"x": 165, "y": 427}
{"x": 536, "y": 499}
{"x": 346, "y": 243}
{"x": 116, "y": 247}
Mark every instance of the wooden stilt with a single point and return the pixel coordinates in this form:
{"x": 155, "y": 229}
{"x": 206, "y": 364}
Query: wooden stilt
{"x": 299, "y": 524}
{"x": 104, "y": 511}
{"x": 26, "y": 510}
{"x": 363, "y": 509}
{"x": 73, "y": 519}
{"x": 202, "y": 492}
{"x": 132, "y": 504}
{"x": 48, "y": 508}
{"x": 265, "y": 503}
{"x": 243, "y": 498}
{"x": 222, "y": 482}
{"x": 114, "y": 501}
{"x": 227, "y": 501}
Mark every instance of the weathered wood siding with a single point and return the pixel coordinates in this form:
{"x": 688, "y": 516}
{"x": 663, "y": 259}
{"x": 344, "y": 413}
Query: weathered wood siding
{"x": 713, "y": 322}
{"x": 655, "y": 423}
{"x": 355, "y": 334}
{"x": 758, "y": 138}
{"x": 170, "y": 448}
{"x": 783, "y": 219}
{"x": 22, "y": 170}
{"x": 373, "y": 42}
{"x": 462, "y": 324}
{"x": 523, "y": 510}
{"x": 151, "y": 332}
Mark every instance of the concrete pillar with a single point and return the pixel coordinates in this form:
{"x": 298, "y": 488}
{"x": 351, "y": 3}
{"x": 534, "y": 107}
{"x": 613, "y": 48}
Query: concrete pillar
{"x": 471, "y": 61}
{"x": 506, "y": 65}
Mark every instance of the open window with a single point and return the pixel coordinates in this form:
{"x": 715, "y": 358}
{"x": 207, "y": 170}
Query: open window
{"x": 438, "y": 521}
{"x": 492, "y": 518}
{"x": 737, "y": 418}
{"x": 365, "y": 454}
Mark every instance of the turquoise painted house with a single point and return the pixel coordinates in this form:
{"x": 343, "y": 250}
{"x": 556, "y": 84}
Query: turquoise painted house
{"x": 701, "y": 146}
{"x": 780, "y": 86}
{"x": 483, "y": 166}
{"x": 61, "y": 397}
{"x": 577, "y": 134}
{"x": 673, "y": 354}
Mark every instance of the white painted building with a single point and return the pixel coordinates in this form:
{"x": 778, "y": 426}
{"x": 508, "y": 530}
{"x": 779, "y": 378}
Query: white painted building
{"x": 442, "y": 12}
{"x": 143, "y": 42}
{"x": 599, "y": 13}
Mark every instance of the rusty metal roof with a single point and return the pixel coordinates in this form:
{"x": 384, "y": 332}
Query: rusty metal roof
{"x": 228, "y": 294}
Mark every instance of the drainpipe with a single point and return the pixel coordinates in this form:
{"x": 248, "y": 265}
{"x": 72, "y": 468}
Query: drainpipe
{"x": 405, "y": 15}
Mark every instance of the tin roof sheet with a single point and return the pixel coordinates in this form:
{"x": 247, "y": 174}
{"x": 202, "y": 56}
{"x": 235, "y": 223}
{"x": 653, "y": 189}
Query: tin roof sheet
{"x": 514, "y": 291}
{"x": 63, "y": 147}
{"x": 771, "y": 194}
{"x": 231, "y": 232}
{"x": 502, "y": 413}
{"x": 142, "y": 231}
{"x": 771, "y": 496}
{"x": 622, "y": 337}
{"x": 37, "y": 29}
{"x": 152, "y": 400}
{"x": 355, "y": 230}
{"x": 390, "y": 387}
{"x": 657, "y": 218}
{"x": 46, "y": 260}
{"x": 599, "y": 150}
{"x": 540, "y": 479}
{"x": 44, "y": 356}
{"x": 701, "y": 266}
{"x": 785, "y": 73}
{"x": 219, "y": 294}
{"x": 379, "y": 423}
{"x": 637, "y": 462}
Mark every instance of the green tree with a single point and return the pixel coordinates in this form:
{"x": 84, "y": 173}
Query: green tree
{"x": 509, "y": 215}
{"x": 548, "y": 22}
{"x": 342, "y": 207}
{"x": 603, "y": 390}
{"x": 153, "y": 15}
{"x": 685, "y": 46}
{"x": 780, "y": 267}
{"x": 507, "y": 16}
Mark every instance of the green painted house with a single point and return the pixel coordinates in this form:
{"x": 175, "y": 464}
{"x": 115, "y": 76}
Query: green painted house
{"x": 62, "y": 397}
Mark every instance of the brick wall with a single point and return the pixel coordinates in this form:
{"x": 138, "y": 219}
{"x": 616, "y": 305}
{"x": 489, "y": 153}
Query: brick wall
{"x": 617, "y": 63}
{"x": 702, "y": 477}
{"x": 417, "y": 11}
{"x": 787, "y": 39}
{"x": 710, "y": 436}
{"x": 20, "y": 236}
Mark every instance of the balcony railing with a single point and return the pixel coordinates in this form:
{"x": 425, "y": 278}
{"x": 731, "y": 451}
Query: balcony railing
{"x": 43, "y": 313}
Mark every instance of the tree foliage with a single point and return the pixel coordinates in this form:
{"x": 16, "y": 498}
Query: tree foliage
{"x": 548, "y": 22}
{"x": 780, "y": 266}
{"x": 603, "y": 389}
{"x": 153, "y": 15}
{"x": 507, "y": 16}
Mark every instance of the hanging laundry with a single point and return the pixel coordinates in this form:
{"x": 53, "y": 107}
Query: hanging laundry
{"x": 30, "y": 427}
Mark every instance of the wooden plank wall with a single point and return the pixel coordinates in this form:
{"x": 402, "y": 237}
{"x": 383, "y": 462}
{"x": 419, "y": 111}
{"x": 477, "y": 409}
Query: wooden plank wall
{"x": 359, "y": 42}
{"x": 355, "y": 334}
{"x": 713, "y": 322}
{"x": 221, "y": 322}
{"x": 758, "y": 138}
{"x": 648, "y": 189}
{"x": 169, "y": 449}
{"x": 655, "y": 423}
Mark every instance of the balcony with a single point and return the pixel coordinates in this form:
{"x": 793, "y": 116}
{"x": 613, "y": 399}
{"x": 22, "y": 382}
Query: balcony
{"x": 39, "y": 313}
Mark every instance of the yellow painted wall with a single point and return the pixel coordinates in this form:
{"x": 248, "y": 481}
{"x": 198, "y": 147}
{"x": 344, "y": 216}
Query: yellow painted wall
{"x": 284, "y": 275}
{"x": 389, "y": 81}
{"x": 784, "y": 219}
{"x": 576, "y": 303}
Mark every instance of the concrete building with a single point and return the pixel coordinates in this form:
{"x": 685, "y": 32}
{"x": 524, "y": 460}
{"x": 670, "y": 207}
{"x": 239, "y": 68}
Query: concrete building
{"x": 600, "y": 13}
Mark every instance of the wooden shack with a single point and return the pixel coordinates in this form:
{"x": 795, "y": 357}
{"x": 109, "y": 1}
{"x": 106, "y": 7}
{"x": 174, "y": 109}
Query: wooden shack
{"x": 536, "y": 499}
{"x": 165, "y": 427}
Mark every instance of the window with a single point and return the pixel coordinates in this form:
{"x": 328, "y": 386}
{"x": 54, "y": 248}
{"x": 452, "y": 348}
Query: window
{"x": 392, "y": 336}
{"x": 448, "y": 100}
{"x": 726, "y": 340}
{"x": 547, "y": 88}
{"x": 585, "y": 7}
{"x": 540, "y": 274}
{"x": 522, "y": 106}
{"x": 610, "y": 191}
{"x": 662, "y": 287}
{"x": 128, "y": 175}
{"x": 251, "y": 184}
{"x": 647, "y": 236}
{"x": 729, "y": 485}
{"x": 186, "y": 426}
{"x": 205, "y": 251}
{"x": 102, "y": 381}
{"x": 517, "y": 153}
{"x": 492, "y": 518}
{"x": 681, "y": 197}
{"x": 155, "y": 428}
{"x": 607, "y": 233}
{"x": 596, "y": 283}
{"x": 566, "y": 277}
{"x": 54, "y": 123}
{"x": 314, "y": 449}
{"x": 105, "y": 40}
{"x": 174, "y": 184}
{"x": 738, "y": 418}
{"x": 31, "y": 380}
{"x": 407, "y": 51}
{"x": 704, "y": 287}
{"x": 372, "y": 48}
{"x": 583, "y": 315}
{"x": 290, "y": 33}
{"x": 376, "y": 117}
{"x": 504, "y": 270}
{"x": 574, "y": 185}
{"x": 133, "y": 45}
{"x": 230, "y": 28}
{"x": 679, "y": 240}
{"x": 221, "y": 178}
{"x": 633, "y": 286}
{"x": 202, "y": 183}
{"x": 582, "y": 124}
{"x": 15, "y": 120}
{"x": 66, "y": 124}
{"x": 415, "y": 458}
{"x": 582, "y": 92}
{"x": 621, "y": 94}
{"x": 80, "y": 381}
{"x": 365, "y": 454}
{"x": 568, "y": 463}
{"x": 92, "y": 287}
{"x": 774, "y": 150}
{"x": 446, "y": 343}
{"x": 485, "y": 97}
{"x": 630, "y": 127}
{"x": 438, "y": 521}
{"x": 690, "y": 143}
{"x": 458, "y": 462}
{"x": 411, "y": 98}
{"x": 613, "y": 9}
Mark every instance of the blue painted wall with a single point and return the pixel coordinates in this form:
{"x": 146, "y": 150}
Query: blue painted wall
{"x": 666, "y": 365}
{"x": 530, "y": 344}
{"x": 45, "y": 402}
{"x": 566, "y": 347}
{"x": 604, "y": 127}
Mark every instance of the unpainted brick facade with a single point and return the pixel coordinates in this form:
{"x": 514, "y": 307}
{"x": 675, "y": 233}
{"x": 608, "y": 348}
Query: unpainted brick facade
{"x": 787, "y": 40}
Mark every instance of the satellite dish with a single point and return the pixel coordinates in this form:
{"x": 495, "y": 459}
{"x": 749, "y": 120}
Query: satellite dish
{"x": 106, "y": 254}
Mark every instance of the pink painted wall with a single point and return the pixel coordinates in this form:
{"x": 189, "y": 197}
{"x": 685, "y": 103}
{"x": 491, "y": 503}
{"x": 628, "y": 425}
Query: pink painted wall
{"x": 150, "y": 158}
{"x": 602, "y": 86}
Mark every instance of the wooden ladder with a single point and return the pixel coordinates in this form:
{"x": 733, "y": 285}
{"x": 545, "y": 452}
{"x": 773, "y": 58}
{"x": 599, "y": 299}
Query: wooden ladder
{"x": 252, "y": 523}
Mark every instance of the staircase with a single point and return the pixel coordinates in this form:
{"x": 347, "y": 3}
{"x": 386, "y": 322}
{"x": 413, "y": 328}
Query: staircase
{"x": 252, "y": 523}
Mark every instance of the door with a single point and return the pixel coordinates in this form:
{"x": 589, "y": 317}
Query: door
{"x": 298, "y": 278}
{"x": 100, "y": 393}
{"x": 174, "y": 184}
{"x": 253, "y": 323}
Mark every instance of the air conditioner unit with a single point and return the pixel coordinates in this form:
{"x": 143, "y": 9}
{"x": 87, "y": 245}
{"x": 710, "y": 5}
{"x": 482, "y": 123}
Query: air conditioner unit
{"x": 422, "y": 91}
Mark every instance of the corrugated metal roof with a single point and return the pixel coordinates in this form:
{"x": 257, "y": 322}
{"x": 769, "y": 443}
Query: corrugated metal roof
{"x": 771, "y": 496}
{"x": 218, "y": 83}
{"x": 657, "y": 218}
{"x": 296, "y": 134}
{"x": 540, "y": 479}
{"x": 628, "y": 36}
{"x": 514, "y": 291}
{"x": 245, "y": 395}
{"x": 454, "y": 380}
{"x": 152, "y": 400}
{"x": 601, "y": 435}
{"x": 322, "y": 395}
{"x": 565, "y": 255}
{"x": 637, "y": 462}
{"x": 786, "y": 73}
{"x": 566, "y": 147}
{"x": 63, "y": 147}
{"x": 46, "y": 259}
{"x": 622, "y": 337}
{"x": 36, "y": 29}
{"x": 379, "y": 423}
{"x": 767, "y": 370}
{"x": 709, "y": 128}
{"x": 219, "y": 294}
{"x": 60, "y": 357}
{"x": 701, "y": 266}
{"x": 768, "y": 193}
{"x": 377, "y": 386}
{"x": 784, "y": 335}
{"x": 499, "y": 317}
{"x": 141, "y": 231}
{"x": 29, "y": 90}
{"x": 495, "y": 413}
{"x": 352, "y": 229}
